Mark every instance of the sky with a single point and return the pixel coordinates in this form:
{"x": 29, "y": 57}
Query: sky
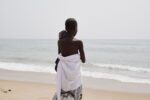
{"x": 97, "y": 19}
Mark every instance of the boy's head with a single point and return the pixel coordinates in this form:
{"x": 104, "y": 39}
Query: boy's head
{"x": 71, "y": 26}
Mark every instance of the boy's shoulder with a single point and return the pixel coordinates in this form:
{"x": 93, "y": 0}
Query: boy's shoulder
{"x": 77, "y": 41}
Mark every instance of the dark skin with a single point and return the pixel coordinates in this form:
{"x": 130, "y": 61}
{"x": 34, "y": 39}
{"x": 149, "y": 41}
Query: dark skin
{"x": 69, "y": 45}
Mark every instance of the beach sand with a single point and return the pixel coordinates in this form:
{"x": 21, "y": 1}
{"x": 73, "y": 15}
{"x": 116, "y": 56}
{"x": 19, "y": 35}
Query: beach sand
{"x": 21, "y": 90}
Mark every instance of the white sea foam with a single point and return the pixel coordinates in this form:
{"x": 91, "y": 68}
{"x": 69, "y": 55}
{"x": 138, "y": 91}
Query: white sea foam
{"x": 26, "y": 67}
{"x": 115, "y": 77}
{"x": 123, "y": 67}
{"x": 50, "y": 69}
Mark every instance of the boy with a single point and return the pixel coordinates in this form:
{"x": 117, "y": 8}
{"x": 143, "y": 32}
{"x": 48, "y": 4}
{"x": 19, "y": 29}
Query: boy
{"x": 68, "y": 80}
{"x": 62, "y": 35}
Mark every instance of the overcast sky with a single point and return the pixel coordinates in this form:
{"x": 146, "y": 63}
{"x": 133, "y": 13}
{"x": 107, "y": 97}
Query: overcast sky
{"x": 96, "y": 18}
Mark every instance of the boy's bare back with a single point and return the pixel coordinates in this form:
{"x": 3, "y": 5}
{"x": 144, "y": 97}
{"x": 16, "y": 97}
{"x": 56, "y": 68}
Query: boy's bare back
{"x": 71, "y": 46}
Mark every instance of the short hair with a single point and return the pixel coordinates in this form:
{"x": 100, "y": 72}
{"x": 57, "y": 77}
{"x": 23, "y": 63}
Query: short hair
{"x": 70, "y": 24}
{"x": 62, "y": 34}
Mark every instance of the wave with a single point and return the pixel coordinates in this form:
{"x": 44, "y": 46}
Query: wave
{"x": 26, "y": 67}
{"x": 118, "y": 77}
{"x": 121, "y": 67}
{"x": 88, "y": 73}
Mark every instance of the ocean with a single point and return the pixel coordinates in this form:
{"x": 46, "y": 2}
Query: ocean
{"x": 124, "y": 60}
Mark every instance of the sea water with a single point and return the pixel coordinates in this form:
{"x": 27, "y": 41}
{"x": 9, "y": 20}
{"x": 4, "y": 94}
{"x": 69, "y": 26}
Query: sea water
{"x": 124, "y": 60}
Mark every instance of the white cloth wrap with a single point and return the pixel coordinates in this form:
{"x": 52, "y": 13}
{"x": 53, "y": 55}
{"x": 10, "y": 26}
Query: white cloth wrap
{"x": 68, "y": 74}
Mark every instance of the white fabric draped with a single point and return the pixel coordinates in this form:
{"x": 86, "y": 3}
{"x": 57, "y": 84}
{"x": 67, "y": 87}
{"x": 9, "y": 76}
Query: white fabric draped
{"x": 68, "y": 74}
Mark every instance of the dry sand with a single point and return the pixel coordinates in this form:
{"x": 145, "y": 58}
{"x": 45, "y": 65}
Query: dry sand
{"x": 21, "y": 90}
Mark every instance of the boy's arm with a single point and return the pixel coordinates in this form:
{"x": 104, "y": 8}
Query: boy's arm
{"x": 58, "y": 47}
{"x": 81, "y": 50}
{"x": 59, "y": 37}
{"x": 62, "y": 35}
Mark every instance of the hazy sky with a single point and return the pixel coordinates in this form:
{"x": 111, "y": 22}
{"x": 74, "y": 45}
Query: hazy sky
{"x": 96, "y": 18}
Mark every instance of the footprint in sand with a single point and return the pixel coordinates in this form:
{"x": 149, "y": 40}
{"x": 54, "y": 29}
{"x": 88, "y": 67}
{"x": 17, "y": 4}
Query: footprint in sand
{"x": 5, "y": 91}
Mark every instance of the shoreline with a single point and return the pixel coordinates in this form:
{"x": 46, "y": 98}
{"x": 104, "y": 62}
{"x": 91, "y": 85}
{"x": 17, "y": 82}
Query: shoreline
{"x": 88, "y": 82}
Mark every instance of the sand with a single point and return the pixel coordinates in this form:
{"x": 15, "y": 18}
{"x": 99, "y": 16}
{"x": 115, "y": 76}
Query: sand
{"x": 21, "y": 90}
